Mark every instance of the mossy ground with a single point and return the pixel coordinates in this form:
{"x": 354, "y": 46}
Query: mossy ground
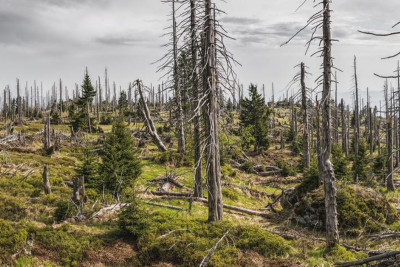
{"x": 179, "y": 238}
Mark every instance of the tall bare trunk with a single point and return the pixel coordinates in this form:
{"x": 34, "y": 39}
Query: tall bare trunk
{"x": 332, "y": 233}
{"x": 389, "y": 177}
{"x": 178, "y": 91}
{"x": 357, "y": 121}
{"x": 215, "y": 205}
{"x": 345, "y": 146}
{"x": 306, "y": 135}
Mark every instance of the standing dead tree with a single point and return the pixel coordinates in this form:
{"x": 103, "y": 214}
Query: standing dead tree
{"x": 170, "y": 64}
{"x": 357, "y": 120}
{"x": 46, "y": 180}
{"x": 321, "y": 20}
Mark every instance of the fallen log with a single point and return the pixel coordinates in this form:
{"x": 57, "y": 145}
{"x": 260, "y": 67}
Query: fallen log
{"x": 369, "y": 252}
{"x": 174, "y": 194}
{"x": 383, "y": 256}
{"x": 177, "y": 195}
{"x": 278, "y": 181}
{"x": 171, "y": 181}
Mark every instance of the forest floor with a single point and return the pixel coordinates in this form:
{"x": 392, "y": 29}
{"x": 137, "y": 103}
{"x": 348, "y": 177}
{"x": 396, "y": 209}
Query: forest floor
{"x": 97, "y": 241}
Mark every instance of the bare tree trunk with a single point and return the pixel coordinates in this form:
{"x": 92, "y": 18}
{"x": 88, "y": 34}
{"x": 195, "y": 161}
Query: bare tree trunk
{"x": 198, "y": 188}
{"x": 178, "y": 91}
{"x": 149, "y": 122}
{"x": 318, "y": 146}
{"x": 215, "y": 205}
{"x": 306, "y": 135}
{"x": 336, "y": 115}
{"x": 357, "y": 121}
{"x": 345, "y": 147}
{"x": 332, "y": 233}
{"x": 389, "y": 177}
{"x": 79, "y": 194}
{"x": 19, "y": 107}
{"x": 46, "y": 134}
{"x": 46, "y": 180}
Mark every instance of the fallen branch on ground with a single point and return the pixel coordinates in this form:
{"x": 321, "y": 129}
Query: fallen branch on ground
{"x": 208, "y": 256}
{"x": 367, "y": 260}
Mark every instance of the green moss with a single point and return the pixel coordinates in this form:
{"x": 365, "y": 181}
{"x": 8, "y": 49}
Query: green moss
{"x": 339, "y": 253}
{"x": 70, "y": 245}
{"x": 12, "y": 208}
{"x": 12, "y": 240}
{"x": 181, "y": 240}
{"x": 231, "y": 194}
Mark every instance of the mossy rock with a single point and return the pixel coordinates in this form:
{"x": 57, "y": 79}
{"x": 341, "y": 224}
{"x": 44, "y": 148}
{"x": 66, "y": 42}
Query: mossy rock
{"x": 358, "y": 208}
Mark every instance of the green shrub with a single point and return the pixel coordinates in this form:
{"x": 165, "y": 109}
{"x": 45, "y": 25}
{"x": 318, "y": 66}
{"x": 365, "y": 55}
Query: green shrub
{"x": 248, "y": 166}
{"x": 12, "y": 240}
{"x": 64, "y": 210}
{"x": 133, "y": 220}
{"x": 286, "y": 169}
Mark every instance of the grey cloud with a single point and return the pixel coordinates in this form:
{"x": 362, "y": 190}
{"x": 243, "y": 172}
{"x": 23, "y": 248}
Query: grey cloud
{"x": 121, "y": 40}
{"x": 240, "y": 20}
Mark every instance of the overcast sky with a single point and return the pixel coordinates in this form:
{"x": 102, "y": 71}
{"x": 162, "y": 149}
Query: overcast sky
{"x": 45, "y": 40}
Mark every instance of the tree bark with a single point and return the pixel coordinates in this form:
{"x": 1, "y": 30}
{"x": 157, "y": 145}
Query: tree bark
{"x": 46, "y": 180}
{"x": 306, "y": 135}
{"x": 389, "y": 177}
{"x": 215, "y": 206}
{"x": 332, "y": 233}
{"x": 345, "y": 146}
{"x": 178, "y": 91}
{"x": 357, "y": 122}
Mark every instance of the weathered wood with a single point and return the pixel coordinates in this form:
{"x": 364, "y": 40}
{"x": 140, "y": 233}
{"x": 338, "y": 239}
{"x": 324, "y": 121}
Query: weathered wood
{"x": 46, "y": 180}
{"x": 367, "y": 260}
{"x": 149, "y": 122}
{"x": 306, "y": 135}
{"x": 332, "y": 232}
{"x": 209, "y": 254}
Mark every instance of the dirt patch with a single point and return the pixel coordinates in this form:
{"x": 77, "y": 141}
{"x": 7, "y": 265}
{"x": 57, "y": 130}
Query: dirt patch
{"x": 117, "y": 253}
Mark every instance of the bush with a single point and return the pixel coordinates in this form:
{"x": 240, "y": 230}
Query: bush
{"x": 12, "y": 240}
{"x": 358, "y": 208}
{"x": 64, "y": 210}
{"x": 133, "y": 220}
{"x": 248, "y": 166}
{"x": 286, "y": 169}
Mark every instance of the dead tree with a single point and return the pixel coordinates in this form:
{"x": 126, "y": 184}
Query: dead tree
{"x": 345, "y": 146}
{"x": 215, "y": 205}
{"x": 46, "y": 134}
{"x": 322, "y": 19}
{"x": 46, "y": 180}
{"x": 306, "y": 135}
{"x": 318, "y": 146}
{"x": 357, "y": 121}
{"x": 389, "y": 177}
{"x": 79, "y": 195}
{"x": 19, "y": 106}
{"x": 148, "y": 120}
